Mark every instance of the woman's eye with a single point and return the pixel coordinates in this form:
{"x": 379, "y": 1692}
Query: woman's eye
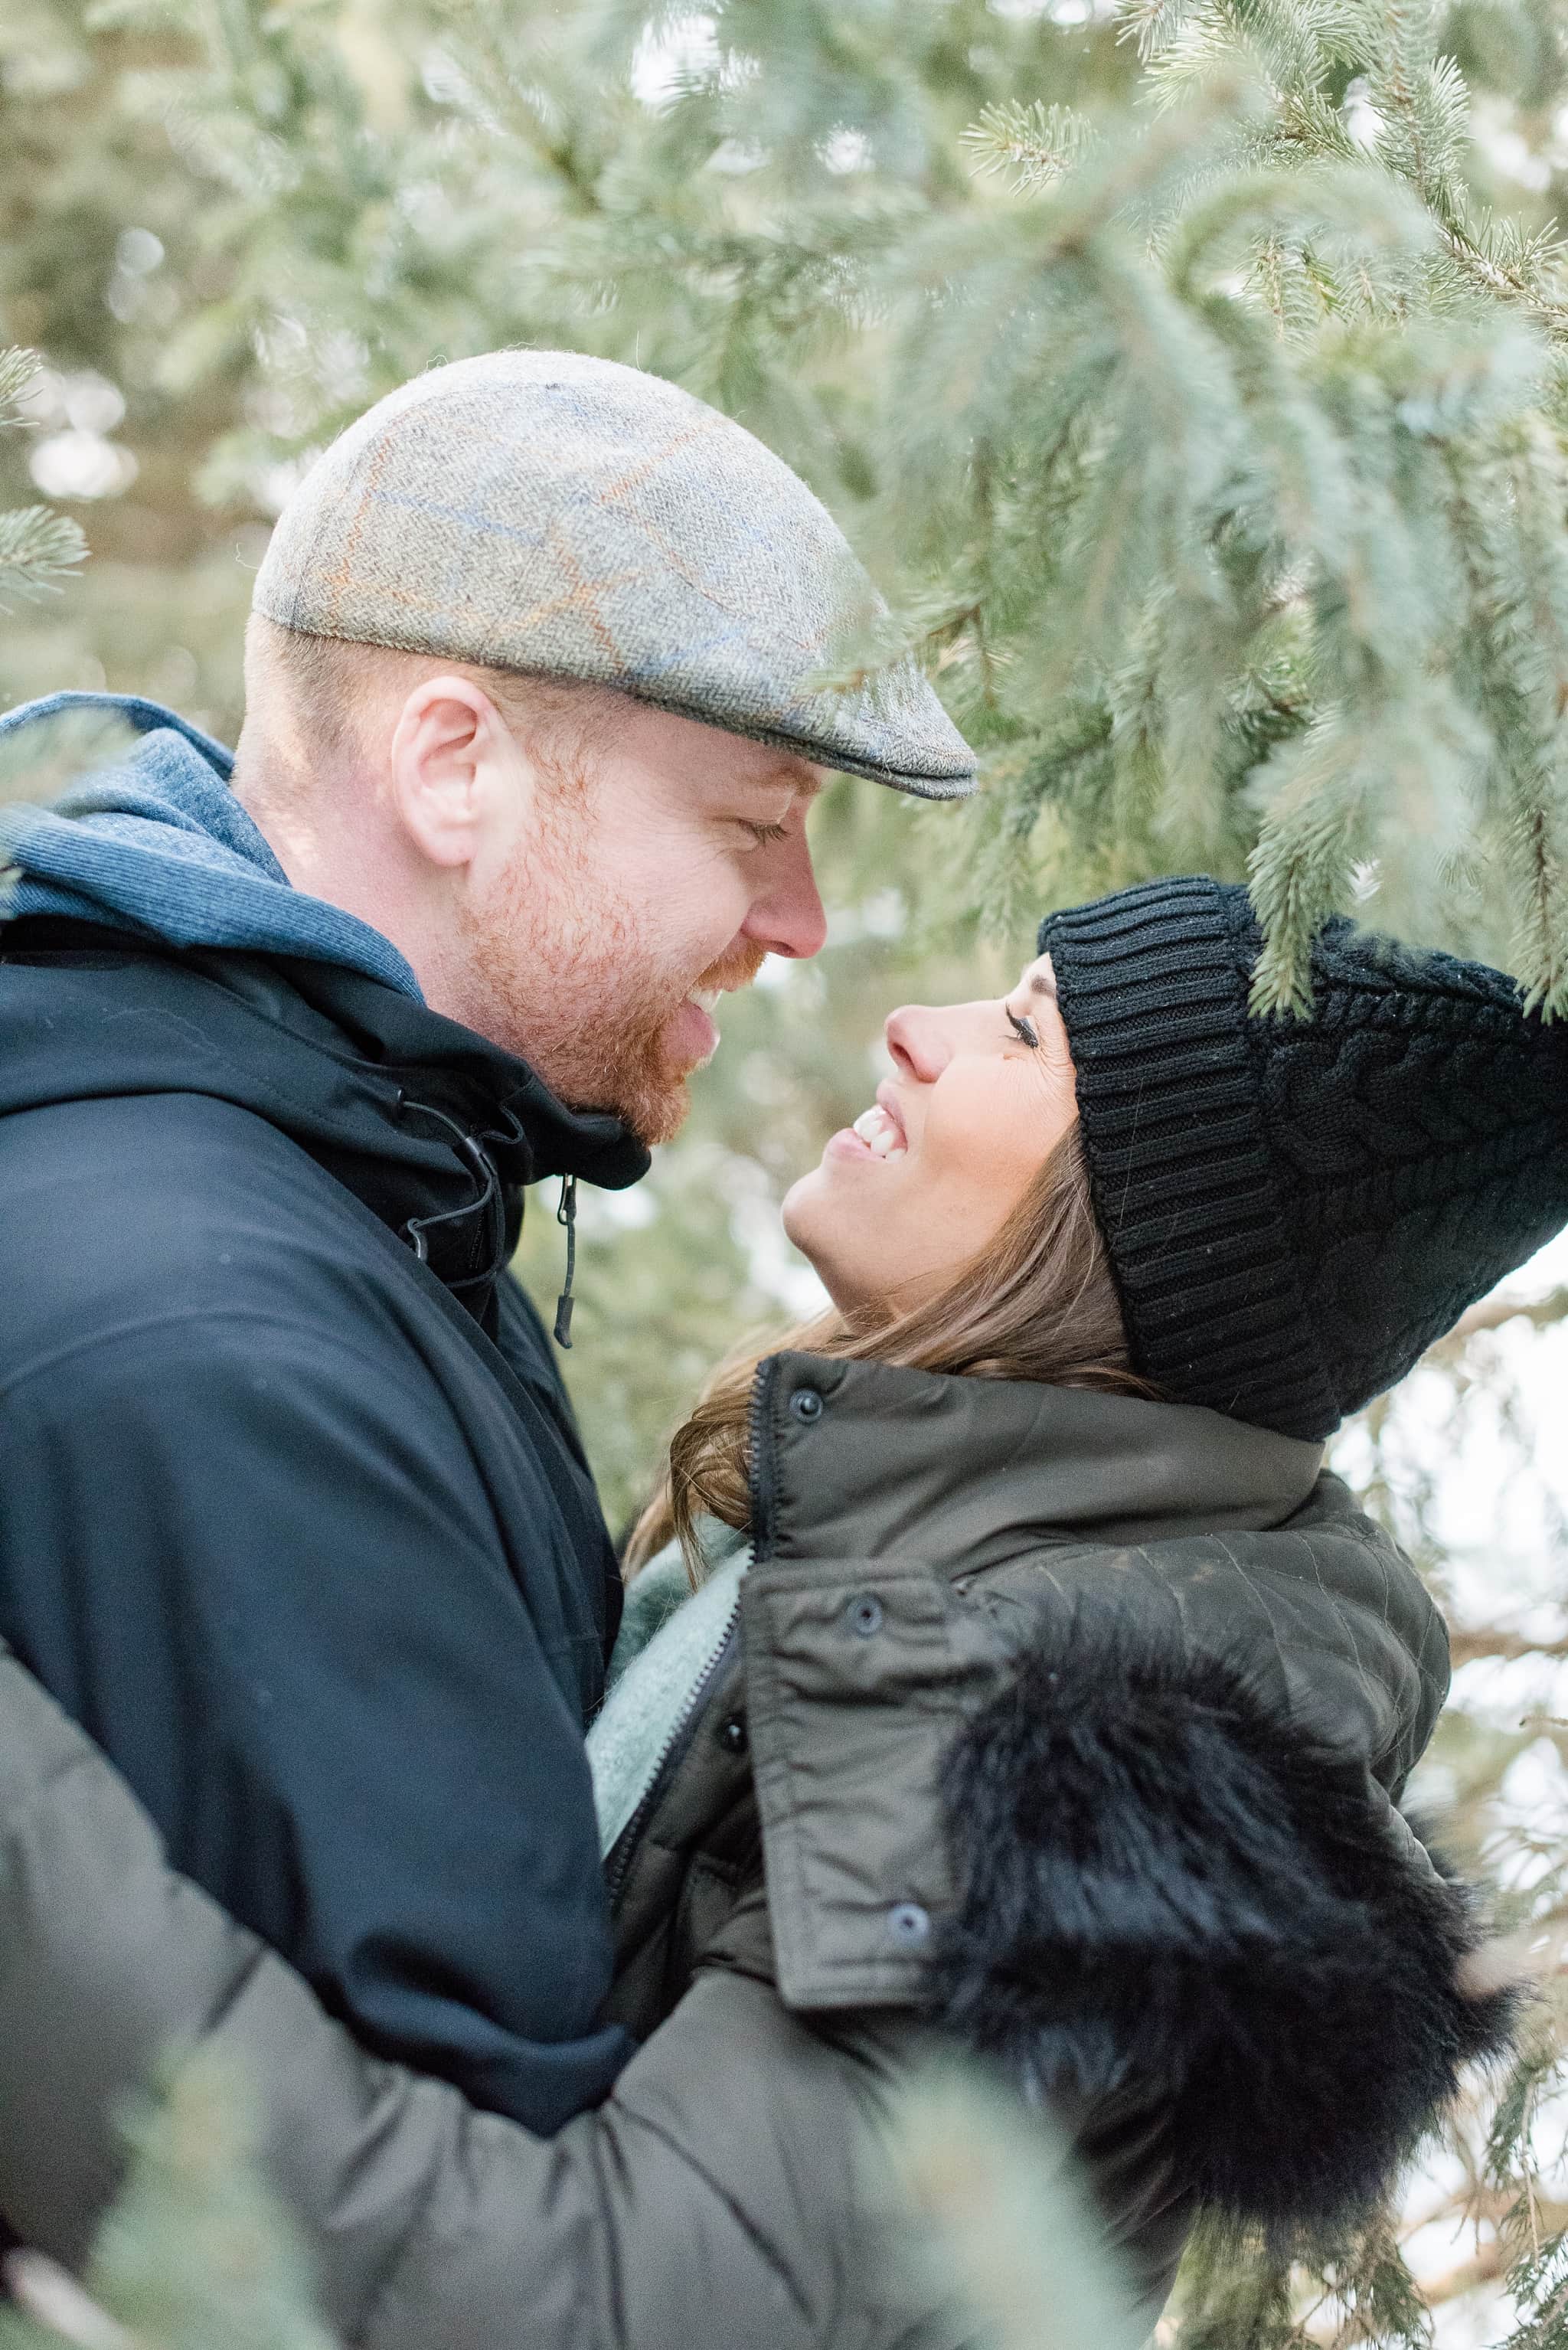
{"x": 1023, "y": 1028}
{"x": 763, "y": 832}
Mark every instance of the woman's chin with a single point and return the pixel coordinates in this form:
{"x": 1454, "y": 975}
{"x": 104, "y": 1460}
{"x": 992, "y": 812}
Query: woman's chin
{"x": 807, "y": 1216}
{"x": 845, "y": 1154}
{"x": 819, "y": 1221}
{"x": 795, "y": 1213}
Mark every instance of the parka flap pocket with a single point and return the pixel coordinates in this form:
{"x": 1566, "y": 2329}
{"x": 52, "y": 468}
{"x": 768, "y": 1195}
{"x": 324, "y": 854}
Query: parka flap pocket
{"x": 856, "y": 1683}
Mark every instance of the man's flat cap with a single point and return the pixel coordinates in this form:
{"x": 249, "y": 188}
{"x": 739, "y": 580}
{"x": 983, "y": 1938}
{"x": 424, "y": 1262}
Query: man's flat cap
{"x": 566, "y": 517}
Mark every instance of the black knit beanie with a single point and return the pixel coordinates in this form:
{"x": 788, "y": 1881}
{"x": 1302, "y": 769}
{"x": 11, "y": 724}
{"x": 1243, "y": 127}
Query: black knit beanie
{"x": 1296, "y": 1209}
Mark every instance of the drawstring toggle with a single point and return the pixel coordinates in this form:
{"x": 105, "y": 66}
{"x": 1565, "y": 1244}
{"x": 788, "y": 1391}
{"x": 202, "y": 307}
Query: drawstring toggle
{"x": 566, "y": 1213}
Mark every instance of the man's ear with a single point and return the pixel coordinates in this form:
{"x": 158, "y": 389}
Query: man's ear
{"x": 453, "y": 770}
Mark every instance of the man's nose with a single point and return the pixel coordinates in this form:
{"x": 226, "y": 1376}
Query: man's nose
{"x": 918, "y": 1040}
{"x": 786, "y": 915}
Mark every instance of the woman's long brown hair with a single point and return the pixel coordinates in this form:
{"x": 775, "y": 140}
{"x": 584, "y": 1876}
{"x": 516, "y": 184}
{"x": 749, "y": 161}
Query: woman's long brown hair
{"x": 1039, "y": 1303}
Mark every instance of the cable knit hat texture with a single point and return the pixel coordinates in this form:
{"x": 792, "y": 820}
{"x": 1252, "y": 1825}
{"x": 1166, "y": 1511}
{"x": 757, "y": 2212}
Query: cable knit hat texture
{"x": 565, "y": 516}
{"x": 1296, "y": 1209}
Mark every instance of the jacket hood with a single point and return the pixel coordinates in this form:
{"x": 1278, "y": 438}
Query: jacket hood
{"x": 229, "y": 982}
{"x": 158, "y": 844}
{"x": 434, "y": 1130}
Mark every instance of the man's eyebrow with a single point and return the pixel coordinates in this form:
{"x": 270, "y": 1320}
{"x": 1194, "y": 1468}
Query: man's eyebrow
{"x": 802, "y": 779}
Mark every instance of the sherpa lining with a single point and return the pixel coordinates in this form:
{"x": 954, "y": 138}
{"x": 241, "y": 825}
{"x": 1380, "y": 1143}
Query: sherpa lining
{"x": 668, "y": 1636}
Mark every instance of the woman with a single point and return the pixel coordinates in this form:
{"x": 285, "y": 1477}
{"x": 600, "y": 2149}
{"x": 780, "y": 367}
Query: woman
{"x": 1067, "y": 1699}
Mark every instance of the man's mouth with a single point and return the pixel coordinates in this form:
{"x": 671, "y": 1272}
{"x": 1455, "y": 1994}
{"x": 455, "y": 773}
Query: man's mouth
{"x": 691, "y": 1036}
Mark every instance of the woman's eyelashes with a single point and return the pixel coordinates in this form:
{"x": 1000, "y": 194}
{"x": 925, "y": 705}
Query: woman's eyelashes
{"x": 1023, "y": 1028}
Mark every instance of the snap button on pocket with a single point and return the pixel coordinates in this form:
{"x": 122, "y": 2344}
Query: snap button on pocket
{"x": 805, "y": 1404}
{"x": 864, "y": 1616}
{"x": 732, "y": 1736}
{"x": 907, "y": 1924}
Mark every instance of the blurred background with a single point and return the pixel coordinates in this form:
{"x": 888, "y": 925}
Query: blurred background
{"x": 226, "y": 227}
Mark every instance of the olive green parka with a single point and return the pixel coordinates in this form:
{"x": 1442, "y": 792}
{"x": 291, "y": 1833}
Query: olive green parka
{"x": 1070, "y": 1726}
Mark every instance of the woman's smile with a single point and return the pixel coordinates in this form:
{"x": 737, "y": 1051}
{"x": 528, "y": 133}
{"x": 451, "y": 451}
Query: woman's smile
{"x": 878, "y": 1133}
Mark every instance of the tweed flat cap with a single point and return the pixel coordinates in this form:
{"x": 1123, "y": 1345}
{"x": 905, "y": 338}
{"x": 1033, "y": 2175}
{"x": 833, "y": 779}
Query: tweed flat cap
{"x": 567, "y": 517}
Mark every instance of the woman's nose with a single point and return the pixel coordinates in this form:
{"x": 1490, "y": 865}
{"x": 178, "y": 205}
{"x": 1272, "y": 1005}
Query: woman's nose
{"x": 917, "y": 1040}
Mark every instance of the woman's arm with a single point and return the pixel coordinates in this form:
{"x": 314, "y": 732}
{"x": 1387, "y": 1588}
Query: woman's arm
{"x": 718, "y": 2197}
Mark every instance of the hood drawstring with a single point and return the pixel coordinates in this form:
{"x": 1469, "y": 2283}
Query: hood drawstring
{"x": 488, "y": 1202}
{"x": 566, "y": 1213}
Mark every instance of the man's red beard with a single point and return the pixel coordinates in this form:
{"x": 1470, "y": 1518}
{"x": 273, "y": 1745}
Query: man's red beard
{"x": 639, "y": 1080}
{"x": 577, "y": 1007}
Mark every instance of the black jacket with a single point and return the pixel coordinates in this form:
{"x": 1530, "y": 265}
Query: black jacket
{"x": 293, "y": 1519}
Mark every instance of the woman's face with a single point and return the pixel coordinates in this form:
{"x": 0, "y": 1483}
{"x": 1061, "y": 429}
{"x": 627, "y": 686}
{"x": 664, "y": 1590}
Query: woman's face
{"x": 981, "y": 1094}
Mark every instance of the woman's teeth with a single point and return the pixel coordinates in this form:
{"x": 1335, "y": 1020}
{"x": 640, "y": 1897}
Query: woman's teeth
{"x": 880, "y": 1134}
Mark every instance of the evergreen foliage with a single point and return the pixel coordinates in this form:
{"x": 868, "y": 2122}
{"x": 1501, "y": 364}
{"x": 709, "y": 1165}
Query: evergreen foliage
{"x": 36, "y": 544}
{"x": 194, "y": 2254}
{"x": 1193, "y": 376}
{"x": 997, "y": 2219}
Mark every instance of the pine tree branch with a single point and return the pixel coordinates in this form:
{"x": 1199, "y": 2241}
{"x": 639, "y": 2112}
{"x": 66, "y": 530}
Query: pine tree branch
{"x": 1484, "y": 2267}
{"x": 37, "y": 546}
{"x": 1496, "y": 1313}
{"x": 1493, "y": 278}
{"x": 1467, "y": 1642}
{"x": 52, "y": 2299}
{"x": 1488, "y": 2264}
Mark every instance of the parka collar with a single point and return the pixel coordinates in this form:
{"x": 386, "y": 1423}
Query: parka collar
{"x": 865, "y": 1461}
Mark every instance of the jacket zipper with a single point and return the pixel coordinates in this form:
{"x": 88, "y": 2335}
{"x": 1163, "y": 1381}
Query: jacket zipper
{"x": 675, "y": 1745}
{"x": 761, "y": 1450}
{"x": 620, "y": 1859}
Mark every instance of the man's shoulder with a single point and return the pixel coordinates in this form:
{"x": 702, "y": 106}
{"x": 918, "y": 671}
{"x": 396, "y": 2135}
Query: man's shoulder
{"x": 133, "y": 1210}
{"x": 183, "y": 1162}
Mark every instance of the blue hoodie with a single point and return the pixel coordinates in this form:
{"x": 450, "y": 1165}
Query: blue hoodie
{"x": 293, "y": 1518}
{"x": 158, "y": 845}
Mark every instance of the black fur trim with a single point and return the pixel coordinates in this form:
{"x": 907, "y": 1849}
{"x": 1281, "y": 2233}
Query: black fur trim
{"x": 1165, "y": 1889}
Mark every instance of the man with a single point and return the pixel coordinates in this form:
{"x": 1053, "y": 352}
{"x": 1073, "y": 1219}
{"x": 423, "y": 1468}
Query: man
{"x": 293, "y": 1519}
